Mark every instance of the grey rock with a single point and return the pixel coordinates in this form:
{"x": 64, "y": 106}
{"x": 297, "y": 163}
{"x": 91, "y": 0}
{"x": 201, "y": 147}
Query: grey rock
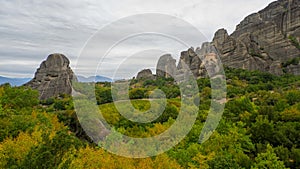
{"x": 293, "y": 69}
{"x": 220, "y": 36}
{"x": 210, "y": 65}
{"x": 276, "y": 68}
{"x": 145, "y": 74}
{"x": 189, "y": 61}
{"x": 166, "y": 66}
{"x": 210, "y": 61}
{"x": 261, "y": 41}
{"x": 53, "y": 77}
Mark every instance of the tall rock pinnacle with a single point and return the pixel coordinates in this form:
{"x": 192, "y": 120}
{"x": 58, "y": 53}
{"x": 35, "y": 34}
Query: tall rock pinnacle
{"x": 54, "y": 77}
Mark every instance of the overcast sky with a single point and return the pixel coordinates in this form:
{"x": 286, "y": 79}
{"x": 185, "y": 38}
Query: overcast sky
{"x": 30, "y": 30}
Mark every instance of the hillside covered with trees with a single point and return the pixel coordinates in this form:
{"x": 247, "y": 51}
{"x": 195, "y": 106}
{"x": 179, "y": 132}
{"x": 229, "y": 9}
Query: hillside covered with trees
{"x": 259, "y": 127}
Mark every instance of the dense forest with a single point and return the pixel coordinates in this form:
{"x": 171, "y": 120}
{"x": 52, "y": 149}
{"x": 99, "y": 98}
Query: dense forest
{"x": 260, "y": 126}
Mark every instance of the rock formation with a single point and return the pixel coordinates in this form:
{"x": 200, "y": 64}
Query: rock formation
{"x": 264, "y": 40}
{"x": 54, "y": 77}
{"x": 202, "y": 62}
{"x": 267, "y": 41}
{"x": 189, "y": 60}
{"x": 145, "y": 74}
{"x": 199, "y": 63}
{"x": 166, "y": 66}
{"x": 293, "y": 69}
{"x": 209, "y": 66}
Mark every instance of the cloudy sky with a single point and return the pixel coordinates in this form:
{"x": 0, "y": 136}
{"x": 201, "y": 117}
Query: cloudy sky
{"x": 30, "y": 30}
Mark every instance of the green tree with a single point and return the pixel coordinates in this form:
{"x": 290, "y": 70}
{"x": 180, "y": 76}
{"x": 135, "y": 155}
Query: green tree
{"x": 293, "y": 97}
{"x": 138, "y": 93}
{"x": 19, "y": 98}
{"x": 52, "y": 151}
{"x": 104, "y": 95}
{"x": 268, "y": 160}
{"x": 262, "y": 131}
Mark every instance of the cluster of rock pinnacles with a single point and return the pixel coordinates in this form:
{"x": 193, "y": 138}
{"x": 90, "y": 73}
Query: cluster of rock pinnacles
{"x": 266, "y": 41}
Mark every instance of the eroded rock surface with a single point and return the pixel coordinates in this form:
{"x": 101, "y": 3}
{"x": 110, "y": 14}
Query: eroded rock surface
{"x": 263, "y": 39}
{"x": 145, "y": 74}
{"x": 53, "y": 77}
{"x": 166, "y": 66}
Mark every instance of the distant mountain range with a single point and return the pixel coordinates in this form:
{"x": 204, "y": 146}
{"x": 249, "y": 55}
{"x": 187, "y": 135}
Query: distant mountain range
{"x": 93, "y": 79}
{"x": 14, "y": 81}
{"x": 21, "y": 81}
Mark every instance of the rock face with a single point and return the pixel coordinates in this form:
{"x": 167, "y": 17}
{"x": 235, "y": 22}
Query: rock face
{"x": 145, "y": 74}
{"x": 263, "y": 40}
{"x": 189, "y": 60}
{"x": 166, "y": 66}
{"x": 54, "y": 77}
{"x": 199, "y": 63}
{"x": 220, "y": 36}
{"x": 210, "y": 65}
{"x": 293, "y": 69}
{"x": 267, "y": 41}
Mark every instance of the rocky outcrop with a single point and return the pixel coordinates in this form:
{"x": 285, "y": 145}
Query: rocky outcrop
{"x": 189, "y": 60}
{"x": 293, "y": 69}
{"x": 53, "y": 77}
{"x": 145, "y": 74}
{"x": 210, "y": 65}
{"x": 201, "y": 62}
{"x": 166, "y": 66}
{"x": 220, "y": 36}
{"x": 263, "y": 40}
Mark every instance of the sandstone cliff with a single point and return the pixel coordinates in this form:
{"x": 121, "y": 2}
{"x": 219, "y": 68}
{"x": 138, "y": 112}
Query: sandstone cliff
{"x": 53, "y": 77}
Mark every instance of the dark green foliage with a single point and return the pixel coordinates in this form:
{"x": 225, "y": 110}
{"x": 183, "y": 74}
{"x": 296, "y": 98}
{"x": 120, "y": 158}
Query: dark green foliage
{"x": 293, "y": 97}
{"x": 294, "y": 42}
{"x": 16, "y": 104}
{"x": 287, "y": 134}
{"x": 171, "y": 92}
{"x": 225, "y": 161}
{"x": 293, "y": 61}
{"x": 262, "y": 131}
{"x": 51, "y": 153}
{"x": 138, "y": 93}
{"x": 19, "y": 98}
{"x": 103, "y": 95}
{"x": 253, "y": 53}
{"x": 259, "y": 128}
{"x": 170, "y": 112}
{"x": 295, "y": 158}
{"x": 235, "y": 108}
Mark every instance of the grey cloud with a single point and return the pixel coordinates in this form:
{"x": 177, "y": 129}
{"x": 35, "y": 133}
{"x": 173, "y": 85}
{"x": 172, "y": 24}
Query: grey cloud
{"x": 31, "y": 30}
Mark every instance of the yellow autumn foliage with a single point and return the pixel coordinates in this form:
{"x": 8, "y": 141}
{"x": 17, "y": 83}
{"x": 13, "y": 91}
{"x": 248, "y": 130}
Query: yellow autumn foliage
{"x": 18, "y": 147}
{"x": 91, "y": 158}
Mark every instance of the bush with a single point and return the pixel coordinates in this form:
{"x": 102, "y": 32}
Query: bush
{"x": 138, "y": 93}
